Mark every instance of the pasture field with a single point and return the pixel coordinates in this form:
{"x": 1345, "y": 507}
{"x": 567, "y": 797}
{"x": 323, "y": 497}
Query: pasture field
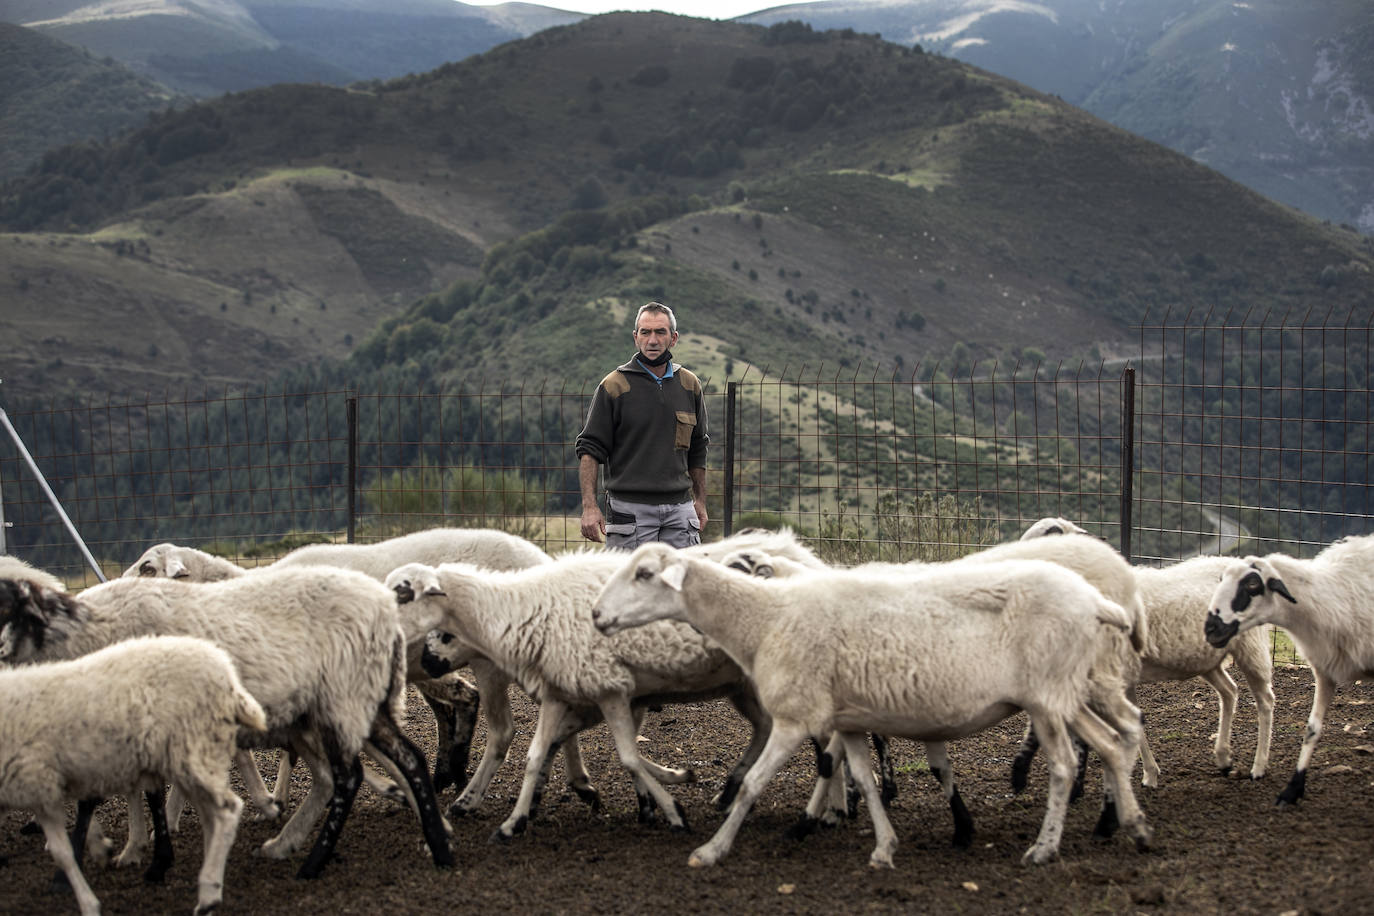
{"x": 1220, "y": 844}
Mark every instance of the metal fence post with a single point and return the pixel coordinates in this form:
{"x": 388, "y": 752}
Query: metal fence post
{"x": 352, "y": 466}
{"x": 731, "y": 391}
{"x": 1127, "y": 457}
{"x": 3, "y": 551}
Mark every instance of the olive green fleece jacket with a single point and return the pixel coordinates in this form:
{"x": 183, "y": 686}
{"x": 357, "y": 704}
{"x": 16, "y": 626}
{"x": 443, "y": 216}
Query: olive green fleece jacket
{"x": 647, "y": 433}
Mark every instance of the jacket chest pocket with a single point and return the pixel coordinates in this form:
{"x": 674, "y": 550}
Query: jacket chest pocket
{"x": 686, "y": 422}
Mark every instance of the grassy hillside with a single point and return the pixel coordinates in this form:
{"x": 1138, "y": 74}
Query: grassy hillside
{"x": 53, "y": 94}
{"x": 799, "y": 197}
{"x": 1274, "y": 94}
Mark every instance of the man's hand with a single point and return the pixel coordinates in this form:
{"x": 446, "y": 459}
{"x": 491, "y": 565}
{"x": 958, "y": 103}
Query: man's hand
{"x": 700, "y": 506}
{"x": 593, "y": 524}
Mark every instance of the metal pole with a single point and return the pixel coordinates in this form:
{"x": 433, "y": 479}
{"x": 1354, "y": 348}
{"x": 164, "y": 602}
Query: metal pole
{"x": 731, "y": 390}
{"x": 3, "y": 523}
{"x": 52, "y": 497}
{"x": 352, "y": 466}
{"x": 1127, "y": 458}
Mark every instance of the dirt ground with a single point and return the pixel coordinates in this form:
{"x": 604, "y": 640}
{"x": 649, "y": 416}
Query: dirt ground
{"x": 1220, "y": 846}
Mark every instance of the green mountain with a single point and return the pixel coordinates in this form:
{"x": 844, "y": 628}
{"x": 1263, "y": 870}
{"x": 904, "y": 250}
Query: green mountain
{"x": 53, "y": 94}
{"x": 800, "y": 198}
{"x": 1277, "y": 95}
{"x": 207, "y": 47}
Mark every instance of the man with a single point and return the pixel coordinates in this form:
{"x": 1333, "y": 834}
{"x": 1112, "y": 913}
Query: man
{"x": 647, "y": 425}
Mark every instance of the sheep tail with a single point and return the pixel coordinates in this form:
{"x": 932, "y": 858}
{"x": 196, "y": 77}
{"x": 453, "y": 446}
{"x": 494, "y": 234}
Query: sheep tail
{"x": 1109, "y": 612}
{"x": 1140, "y": 634}
{"x": 248, "y": 712}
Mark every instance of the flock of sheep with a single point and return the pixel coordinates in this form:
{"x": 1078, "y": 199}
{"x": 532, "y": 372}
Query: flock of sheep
{"x": 165, "y": 676}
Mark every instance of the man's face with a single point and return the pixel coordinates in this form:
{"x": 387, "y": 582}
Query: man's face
{"x": 652, "y": 336}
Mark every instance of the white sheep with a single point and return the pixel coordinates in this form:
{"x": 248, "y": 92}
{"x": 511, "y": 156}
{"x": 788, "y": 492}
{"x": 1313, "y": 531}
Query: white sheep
{"x": 166, "y": 708}
{"x": 536, "y": 625}
{"x": 321, "y": 649}
{"x": 453, "y": 700}
{"x": 932, "y": 657}
{"x": 1323, "y": 603}
{"x": 447, "y": 654}
{"x": 1173, "y": 598}
{"x": 15, "y": 568}
{"x": 1114, "y": 669}
{"x": 1176, "y": 601}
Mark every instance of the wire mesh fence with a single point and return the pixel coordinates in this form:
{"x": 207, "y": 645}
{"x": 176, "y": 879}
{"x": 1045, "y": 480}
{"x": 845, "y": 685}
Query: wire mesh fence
{"x": 1224, "y": 434}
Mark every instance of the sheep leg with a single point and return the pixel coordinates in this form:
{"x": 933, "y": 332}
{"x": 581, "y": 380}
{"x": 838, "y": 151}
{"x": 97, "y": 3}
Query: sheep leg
{"x": 577, "y": 775}
{"x": 551, "y": 715}
{"x": 281, "y": 786}
{"x": 621, "y": 719}
{"x": 885, "y": 838}
{"x": 162, "y": 839}
{"x": 746, "y": 702}
{"x": 1020, "y": 764}
{"x": 885, "y": 767}
{"x": 254, "y": 786}
{"x": 1259, "y": 677}
{"x": 136, "y": 844}
{"x": 1226, "y": 701}
{"x": 782, "y": 741}
{"x": 1149, "y": 767}
{"x": 297, "y": 830}
{"x": 1117, "y": 749}
{"x": 392, "y": 744}
{"x": 219, "y": 811}
{"x": 1321, "y": 699}
{"x": 1054, "y": 738}
{"x": 826, "y": 806}
{"x": 937, "y": 755}
{"x": 492, "y": 684}
{"x": 76, "y": 840}
{"x": 54, "y": 825}
{"x": 347, "y": 777}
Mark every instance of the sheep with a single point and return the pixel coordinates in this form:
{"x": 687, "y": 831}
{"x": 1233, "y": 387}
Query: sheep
{"x": 1173, "y": 649}
{"x": 444, "y": 654}
{"x": 321, "y": 649}
{"x": 453, "y": 700}
{"x": 167, "y": 707}
{"x": 1051, "y": 525}
{"x": 846, "y": 652}
{"x": 15, "y": 568}
{"x": 1324, "y": 607}
{"x": 1114, "y": 669}
{"x": 536, "y": 625}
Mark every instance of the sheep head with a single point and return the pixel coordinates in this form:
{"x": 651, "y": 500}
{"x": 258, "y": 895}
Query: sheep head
{"x": 1244, "y": 598}
{"x": 414, "y": 580}
{"x": 31, "y": 615}
{"x": 159, "y": 560}
{"x": 1051, "y": 526}
{"x": 647, "y": 588}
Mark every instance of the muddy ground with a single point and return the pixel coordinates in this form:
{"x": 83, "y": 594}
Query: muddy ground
{"x": 1221, "y": 846}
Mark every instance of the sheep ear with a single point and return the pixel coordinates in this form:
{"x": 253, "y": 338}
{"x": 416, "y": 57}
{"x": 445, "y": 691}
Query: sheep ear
{"x": 1277, "y": 587}
{"x": 434, "y": 591}
{"x": 176, "y": 569}
{"x": 673, "y": 576}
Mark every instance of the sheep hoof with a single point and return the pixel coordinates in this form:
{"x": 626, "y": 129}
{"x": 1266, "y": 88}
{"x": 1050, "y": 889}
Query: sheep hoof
{"x": 589, "y": 796}
{"x": 128, "y": 859}
{"x": 802, "y": 828}
{"x": 1225, "y": 771}
{"x": 880, "y": 861}
{"x": 1037, "y": 855}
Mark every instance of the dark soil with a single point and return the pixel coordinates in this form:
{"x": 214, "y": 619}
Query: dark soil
{"x": 1220, "y": 845}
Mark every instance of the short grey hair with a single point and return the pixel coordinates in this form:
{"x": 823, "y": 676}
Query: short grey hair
{"x": 660, "y": 308}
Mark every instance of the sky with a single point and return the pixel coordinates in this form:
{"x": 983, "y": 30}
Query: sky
{"x": 704, "y": 9}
